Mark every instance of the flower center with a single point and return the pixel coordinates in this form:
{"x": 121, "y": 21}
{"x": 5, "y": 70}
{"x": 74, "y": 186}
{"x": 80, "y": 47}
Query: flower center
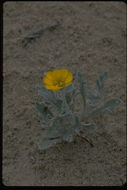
{"x": 59, "y": 83}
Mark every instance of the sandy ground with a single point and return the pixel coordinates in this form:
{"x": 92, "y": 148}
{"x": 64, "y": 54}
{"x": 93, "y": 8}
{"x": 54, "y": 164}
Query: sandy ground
{"x": 91, "y": 40}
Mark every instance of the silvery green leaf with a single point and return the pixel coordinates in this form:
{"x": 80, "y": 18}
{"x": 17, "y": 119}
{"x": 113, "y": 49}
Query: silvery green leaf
{"x": 68, "y": 138}
{"x": 57, "y": 128}
{"x": 108, "y": 106}
{"x": 88, "y": 128}
{"x": 52, "y": 132}
{"x": 91, "y": 105}
{"x": 93, "y": 98}
{"x": 65, "y": 110}
{"x": 44, "y": 110}
{"x": 104, "y": 76}
{"x": 68, "y": 92}
{"x": 77, "y": 125}
{"x": 113, "y": 103}
{"x": 69, "y": 88}
{"x": 48, "y": 143}
{"x": 44, "y": 124}
{"x": 58, "y": 104}
{"x": 61, "y": 126}
{"x": 82, "y": 87}
{"x": 49, "y": 96}
{"x": 100, "y": 82}
{"x": 73, "y": 95}
{"x": 70, "y": 96}
{"x": 93, "y": 95}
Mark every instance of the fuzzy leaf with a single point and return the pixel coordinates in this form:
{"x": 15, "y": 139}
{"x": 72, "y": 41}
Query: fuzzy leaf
{"x": 88, "y": 128}
{"x": 58, "y": 128}
{"x": 49, "y": 96}
{"x": 77, "y": 125}
{"x": 93, "y": 98}
{"x": 68, "y": 138}
{"x": 109, "y": 106}
{"x": 65, "y": 110}
{"x": 48, "y": 143}
{"x": 52, "y": 132}
{"x": 44, "y": 124}
{"x": 70, "y": 96}
{"x": 100, "y": 82}
{"x": 67, "y": 92}
{"x": 44, "y": 110}
{"x": 68, "y": 88}
{"x": 58, "y": 104}
{"x": 82, "y": 86}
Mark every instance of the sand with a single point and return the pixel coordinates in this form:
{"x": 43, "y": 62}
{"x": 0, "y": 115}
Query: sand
{"x": 91, "y": 39}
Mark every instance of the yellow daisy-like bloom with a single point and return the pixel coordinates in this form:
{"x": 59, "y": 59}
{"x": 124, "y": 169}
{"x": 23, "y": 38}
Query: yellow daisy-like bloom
{"x": 57, "y": 79}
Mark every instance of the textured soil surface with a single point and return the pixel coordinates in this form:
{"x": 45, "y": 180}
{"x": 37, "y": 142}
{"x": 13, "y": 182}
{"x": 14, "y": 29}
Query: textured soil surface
{"x": 91, "y": 40}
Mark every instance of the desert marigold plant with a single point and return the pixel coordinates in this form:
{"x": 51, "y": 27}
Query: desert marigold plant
{"x": 64, "y": 123}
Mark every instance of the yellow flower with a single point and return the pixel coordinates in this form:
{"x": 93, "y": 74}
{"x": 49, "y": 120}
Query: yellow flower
{"x": 57, "y": 79}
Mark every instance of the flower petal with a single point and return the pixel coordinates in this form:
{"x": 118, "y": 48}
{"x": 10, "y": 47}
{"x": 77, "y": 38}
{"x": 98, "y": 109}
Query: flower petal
{"x": 49, "y": 75}
{"x": 63, "y": 74}
{"x": 56, "y": 74}
{"x": 69, "y": 78}
{"x": 47, "y": 81}
{"x": 49, "y": 87}
{"x": 68, "y": 83}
